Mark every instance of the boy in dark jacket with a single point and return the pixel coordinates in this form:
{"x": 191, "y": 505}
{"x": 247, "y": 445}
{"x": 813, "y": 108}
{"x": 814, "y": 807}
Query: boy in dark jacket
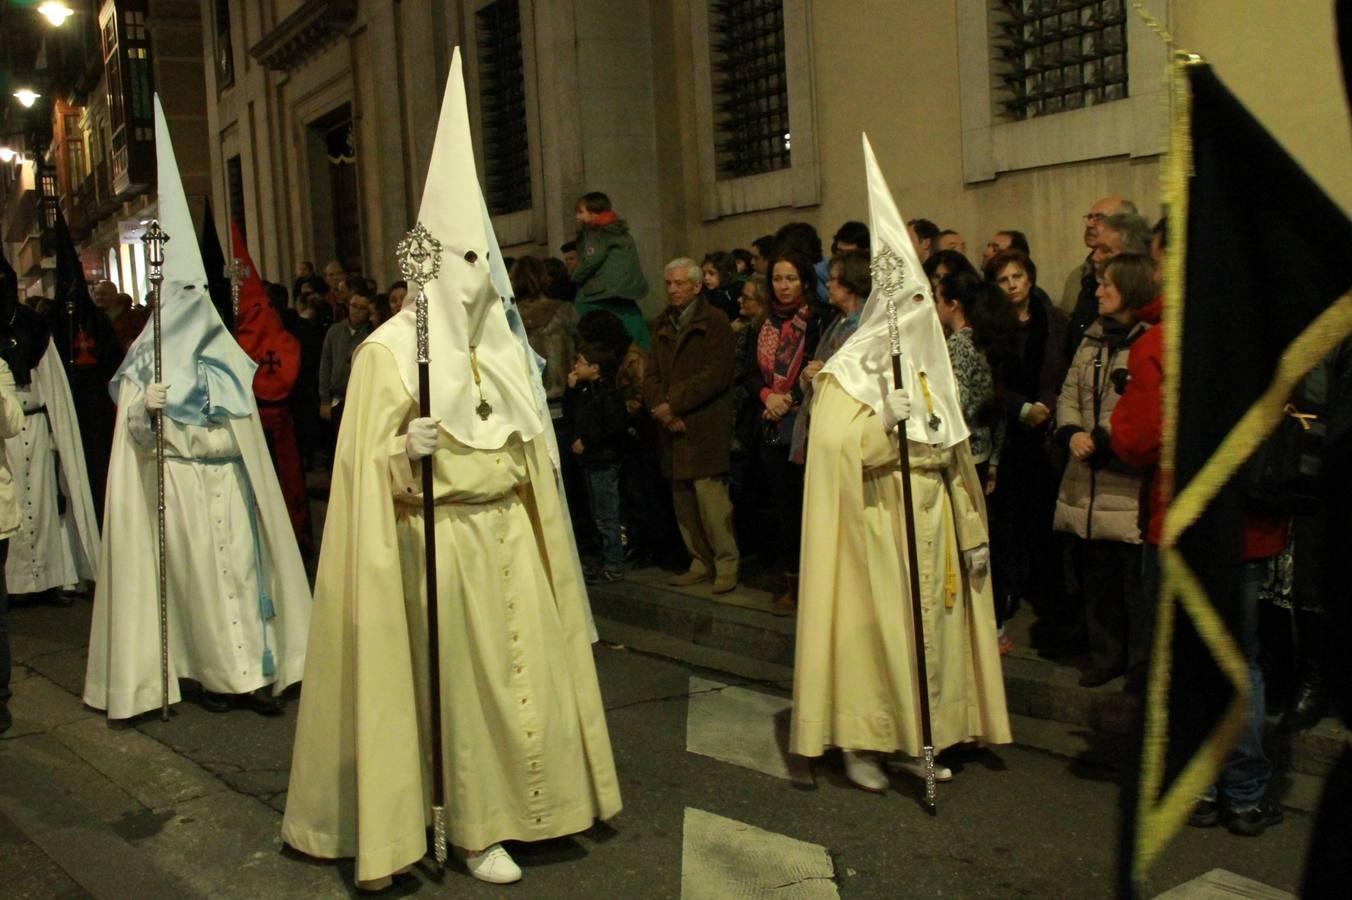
{"x": 599, "y": 427}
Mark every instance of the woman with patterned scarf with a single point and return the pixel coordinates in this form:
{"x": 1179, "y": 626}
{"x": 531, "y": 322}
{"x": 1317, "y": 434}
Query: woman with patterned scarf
{"x": 786, "y": 341}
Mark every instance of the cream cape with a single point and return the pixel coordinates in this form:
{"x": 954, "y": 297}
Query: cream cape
{"x": 854, "y": 681}
{"x": 863, "y": 364}
{"x": 51, "y": 549}
{"x": 527, "y": 751}
{"x": 123, "y": 674}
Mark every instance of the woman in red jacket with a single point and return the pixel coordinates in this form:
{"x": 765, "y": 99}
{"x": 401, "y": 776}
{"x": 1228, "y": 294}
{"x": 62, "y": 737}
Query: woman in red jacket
{"x": 1239, "y": 798}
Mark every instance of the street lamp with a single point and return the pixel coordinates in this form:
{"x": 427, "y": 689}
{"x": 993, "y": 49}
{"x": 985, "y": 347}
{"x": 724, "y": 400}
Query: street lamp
{"x": 27, "y": 96}
{"x": 56, "y": 13}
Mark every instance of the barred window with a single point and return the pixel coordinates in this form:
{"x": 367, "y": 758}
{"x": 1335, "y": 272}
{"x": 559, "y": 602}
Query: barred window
{"x": 1049, "y": 56}
{"x": 502, "y": 103}
{"x": 225, "y": 50}
{"x": 234, "y": 186}
{"x": 750, "y": 87}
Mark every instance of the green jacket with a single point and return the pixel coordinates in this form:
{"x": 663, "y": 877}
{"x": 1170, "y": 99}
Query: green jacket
{"x": 607, "y": 264}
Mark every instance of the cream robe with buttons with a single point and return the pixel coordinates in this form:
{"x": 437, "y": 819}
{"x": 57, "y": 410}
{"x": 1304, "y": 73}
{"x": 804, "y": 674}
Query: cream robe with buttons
{"x": 217, "y": 634}
{"x": 855, "y": 683}
{"x": 527, "y": 754}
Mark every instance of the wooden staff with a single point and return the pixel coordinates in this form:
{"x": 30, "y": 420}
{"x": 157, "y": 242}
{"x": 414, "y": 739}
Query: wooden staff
{"x": 420, "y": 259}
{"x": 912, "y": 557}
{"x": 155, "y": 239}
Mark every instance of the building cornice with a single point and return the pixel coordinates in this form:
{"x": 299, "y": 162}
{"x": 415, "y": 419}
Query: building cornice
{"x": 311, "y": 28}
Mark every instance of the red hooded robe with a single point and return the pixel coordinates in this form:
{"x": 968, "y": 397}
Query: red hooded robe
{"x": 259, "y": 331}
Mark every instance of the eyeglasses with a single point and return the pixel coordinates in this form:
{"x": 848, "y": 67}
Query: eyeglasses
{"x": 1094, "y": 217}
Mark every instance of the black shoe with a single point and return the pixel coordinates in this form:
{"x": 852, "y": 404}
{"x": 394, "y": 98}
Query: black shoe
{"x": 1205, "y": 814}
{"x": 1253, "y": 822}
{"x": 604, "y": 576}
{"x": 262, "y": 702}
{"x": 1094, "y": 677}
{"x": 1309, "y": 707}
{"x": 6, "y": 720}
{"x": 214, "y": 702}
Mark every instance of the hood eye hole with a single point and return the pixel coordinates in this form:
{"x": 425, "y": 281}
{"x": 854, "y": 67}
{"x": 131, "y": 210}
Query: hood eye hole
{"x": 471, "y": 257}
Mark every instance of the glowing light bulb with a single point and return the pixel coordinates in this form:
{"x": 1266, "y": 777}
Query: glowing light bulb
{"x": 7, "y": 154}
{"x": 56, "y": 13}
{"x": 27, "y": 96}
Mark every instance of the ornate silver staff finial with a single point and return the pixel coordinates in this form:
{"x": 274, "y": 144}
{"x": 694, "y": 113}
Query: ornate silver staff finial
{"x": 154, "y": 239}
{"x": 419, "y": 256}
{"x": 236, "y": 271}
{"x": 889, "y": 274}
{"x": 889, "y": 277}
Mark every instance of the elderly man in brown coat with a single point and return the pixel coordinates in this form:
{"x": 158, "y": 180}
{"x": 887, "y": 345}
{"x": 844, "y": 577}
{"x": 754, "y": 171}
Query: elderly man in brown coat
{"x": 688, "y": 390}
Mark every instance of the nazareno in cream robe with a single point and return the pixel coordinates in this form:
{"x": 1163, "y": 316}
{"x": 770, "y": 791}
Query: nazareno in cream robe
{"x": 855, "y": 683}
{"x": 527, "y": 753}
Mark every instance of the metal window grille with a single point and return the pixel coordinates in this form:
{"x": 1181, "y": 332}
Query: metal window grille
{"x": 225, "y": 52}
{"x": 502, "y": 104}
{"x": 1055, "y": 55}
{"x": 234, "y": 177}
{"x": 750, "y": 87}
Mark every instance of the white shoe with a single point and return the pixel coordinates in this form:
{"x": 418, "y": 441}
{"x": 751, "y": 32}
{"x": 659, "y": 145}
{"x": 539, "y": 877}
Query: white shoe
{"x": 493, "y": 865}
{"x": 915, "y": 767}
{"x": 861, "y": 767}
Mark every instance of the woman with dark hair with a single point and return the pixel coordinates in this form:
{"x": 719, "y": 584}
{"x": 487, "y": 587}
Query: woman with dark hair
{"x": 742, "y": 256}
{"x": 551, "y": 327}
{"x": 720, "y": 282}
{"x": 946, "y": 262}
{"x": 1025, "y": 495}
{"x": 980, "y": 326}
{"x": 785, "y": 343}
{"x": 1099, "y": 500}
{"x": 560, "y": 286}
{"x": 850, "y": 283}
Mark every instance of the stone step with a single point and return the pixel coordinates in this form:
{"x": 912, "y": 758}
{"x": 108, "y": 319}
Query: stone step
{"x": 735, "y": 632}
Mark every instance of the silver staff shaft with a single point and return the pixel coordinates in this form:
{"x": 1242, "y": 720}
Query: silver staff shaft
{"x": 155, "y": 239}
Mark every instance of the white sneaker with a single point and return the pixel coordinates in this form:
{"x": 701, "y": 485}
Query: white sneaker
{"x": 861, "y": 767}
{"x": 915, "y": 767}
{"x": 493, "y": 865}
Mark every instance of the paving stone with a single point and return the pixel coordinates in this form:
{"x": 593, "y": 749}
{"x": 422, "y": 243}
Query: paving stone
{"x": 152, "y": 773}
{"x": 725, "y": 858}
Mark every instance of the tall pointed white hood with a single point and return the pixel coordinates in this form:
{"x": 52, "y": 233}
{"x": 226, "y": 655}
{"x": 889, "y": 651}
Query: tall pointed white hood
{"x": 467, "y": 320}
{"x": 863, "y": 365}
{"x": 209, "y": 376}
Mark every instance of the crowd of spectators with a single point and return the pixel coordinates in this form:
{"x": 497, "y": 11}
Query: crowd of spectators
{"x": 684, "y": 436}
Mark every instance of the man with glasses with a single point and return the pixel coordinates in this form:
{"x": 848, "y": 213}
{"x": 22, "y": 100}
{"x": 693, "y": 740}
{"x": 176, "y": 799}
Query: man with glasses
{"x": 1082, "y": 278}
{"x": 335, "y": 360}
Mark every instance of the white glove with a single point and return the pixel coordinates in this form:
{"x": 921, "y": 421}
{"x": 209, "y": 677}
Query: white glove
{"x": 421, "y": 439}
{"x": 896, "y": 408}
{"x": 978, "y": 560}
{"x": 157, "y": 397}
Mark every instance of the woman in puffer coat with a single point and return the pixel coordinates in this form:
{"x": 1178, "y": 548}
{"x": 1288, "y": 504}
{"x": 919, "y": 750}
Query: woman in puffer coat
{"x": 1099, "y": 499}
